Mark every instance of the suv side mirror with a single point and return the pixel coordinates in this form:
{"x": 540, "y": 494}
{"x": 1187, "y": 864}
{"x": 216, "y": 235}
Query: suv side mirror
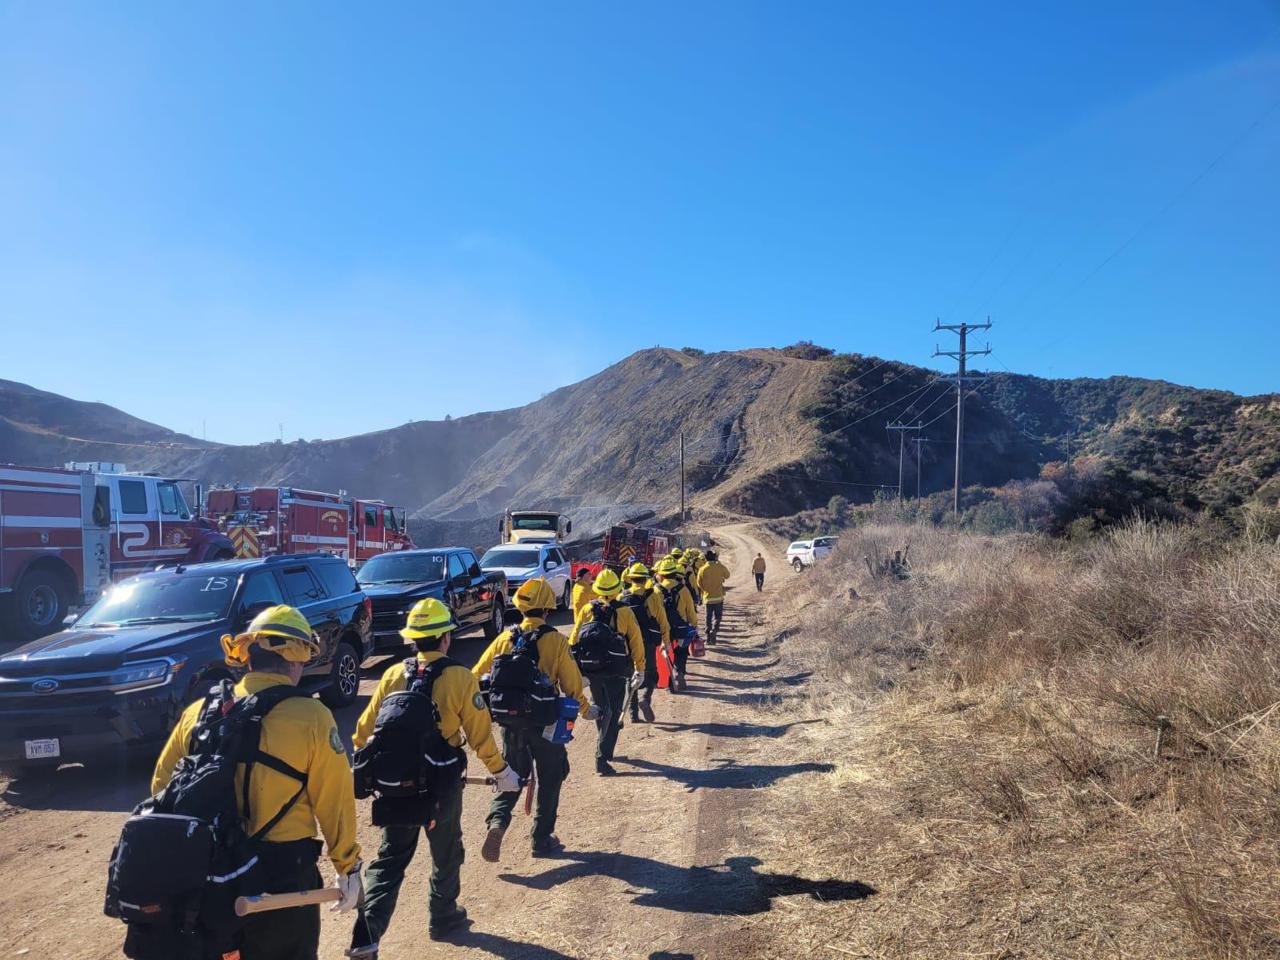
{"x": 548, "y": 563}
{"x": 461, "y": 580}
{"x": 246, "y": 614}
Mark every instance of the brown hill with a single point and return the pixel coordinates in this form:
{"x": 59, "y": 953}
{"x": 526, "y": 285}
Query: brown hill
{"x": 767, "y": 432}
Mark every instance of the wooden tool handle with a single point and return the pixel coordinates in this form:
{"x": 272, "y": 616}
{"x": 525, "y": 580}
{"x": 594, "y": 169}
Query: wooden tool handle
{"x": 479, "y": 781}
{"x": 283, "y": 901}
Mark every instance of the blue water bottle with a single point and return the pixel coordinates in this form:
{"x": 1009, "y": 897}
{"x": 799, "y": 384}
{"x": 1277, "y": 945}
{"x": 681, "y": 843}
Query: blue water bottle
{"x": 562, "y": 730}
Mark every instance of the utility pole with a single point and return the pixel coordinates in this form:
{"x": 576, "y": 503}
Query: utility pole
{"x": 960, "y": 378}
{"x": 682, "y": 476}
{"x": 919, "y": 442}
{"x": 902, "y": 429}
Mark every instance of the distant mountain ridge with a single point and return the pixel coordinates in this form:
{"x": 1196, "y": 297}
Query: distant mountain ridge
{"x": 767, "y": 432}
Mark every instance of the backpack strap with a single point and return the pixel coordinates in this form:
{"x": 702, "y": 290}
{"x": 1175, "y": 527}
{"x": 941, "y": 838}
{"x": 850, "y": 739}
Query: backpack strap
{"x": 610, "y": 611}
{"x": 254, "y": 710}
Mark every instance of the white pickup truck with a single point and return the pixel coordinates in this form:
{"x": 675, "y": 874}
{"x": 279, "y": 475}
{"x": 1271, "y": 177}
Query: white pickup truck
{"x": 805, "y": 553}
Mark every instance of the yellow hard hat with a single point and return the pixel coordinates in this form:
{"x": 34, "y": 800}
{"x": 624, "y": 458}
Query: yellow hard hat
{"x": 676, "y": 552}
{"x": 534, "y": 594}
{"x": 666, "y": 569}
{"x": 692, "y": 553}
{"x": 428, "y": 618}
{"x": 607, "y": 584}
{"x": 280, "y": 629}
{"x": 637, "y": 571}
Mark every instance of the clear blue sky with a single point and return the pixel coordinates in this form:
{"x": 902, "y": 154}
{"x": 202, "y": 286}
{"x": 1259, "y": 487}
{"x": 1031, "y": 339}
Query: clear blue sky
{"x": 341, "y": 217}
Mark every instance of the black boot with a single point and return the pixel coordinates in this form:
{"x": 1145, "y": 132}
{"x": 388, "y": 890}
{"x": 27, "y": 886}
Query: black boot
{"x": 444, "y": 924}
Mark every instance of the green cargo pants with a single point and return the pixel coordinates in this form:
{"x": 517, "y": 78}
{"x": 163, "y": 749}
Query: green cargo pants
{"x": 386, "y": 873}
{"x": 524, "y": 752}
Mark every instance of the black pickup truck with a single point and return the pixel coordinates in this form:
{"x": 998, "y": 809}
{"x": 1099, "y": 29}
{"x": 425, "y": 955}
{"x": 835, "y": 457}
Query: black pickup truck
{"x": 395, "y": 581}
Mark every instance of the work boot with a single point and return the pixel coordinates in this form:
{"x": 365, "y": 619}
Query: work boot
{"x": 635, "y": 714}
{"x": 548, "y": 846}
{"x": 444, "y": 924}
{"x": 684, "y": 682}
{"x": 368, "y": 952}
{"x": 492, "y": 848}
{"x": 647, "y": 710}
{"x": 604, "y": 769}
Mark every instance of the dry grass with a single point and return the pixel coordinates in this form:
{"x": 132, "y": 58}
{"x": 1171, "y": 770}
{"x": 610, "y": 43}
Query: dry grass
{"x": 996, "y": 720}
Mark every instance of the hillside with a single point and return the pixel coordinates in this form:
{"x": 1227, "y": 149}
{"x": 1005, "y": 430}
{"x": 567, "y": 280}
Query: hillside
{"x": 767, "y": 433}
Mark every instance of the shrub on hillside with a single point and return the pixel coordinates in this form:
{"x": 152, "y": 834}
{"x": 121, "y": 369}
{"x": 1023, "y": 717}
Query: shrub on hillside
{"x": 807, "y": 350}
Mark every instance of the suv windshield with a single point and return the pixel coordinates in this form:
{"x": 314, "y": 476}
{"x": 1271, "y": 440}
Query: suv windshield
{"x": 403, "y": 568}
{"x": 162, "y": 599}
{"x": 506, "y": 557}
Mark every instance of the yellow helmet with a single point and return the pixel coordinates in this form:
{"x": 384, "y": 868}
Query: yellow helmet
{"x": 692, "y": 553}
{"x": 676, "y": 552}
{"x": 666, "y": 569}
{"x": 607, "y": 584}
{"x": 638, "y": 571}
{"x": 428, "y": 618}
{"x": 280, "y": 629}
{"x": 534, "y": 594}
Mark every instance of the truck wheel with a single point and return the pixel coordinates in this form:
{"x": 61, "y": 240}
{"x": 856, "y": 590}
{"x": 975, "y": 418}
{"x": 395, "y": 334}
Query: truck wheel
{"x": 797, "y": 565}
{"x": 344, "y": 680}
{"x": 493, "y": 626}
{"x": 39, "y": 604}
{"x": 566, "y": 598}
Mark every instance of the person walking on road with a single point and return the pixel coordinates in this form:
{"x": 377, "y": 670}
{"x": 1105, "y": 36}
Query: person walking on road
{"x": 525, "y": 750}
{"x": 651, "y": 615}
{"x": 682, "y": 618}
{"x": 758, "y": 568}
{"x": 711, "y": 581}
{"x": 461, "y": 710}
{"x": 608, "y": 692}
{"x": 581, "y": 589}
{"x": 300, "y": 779}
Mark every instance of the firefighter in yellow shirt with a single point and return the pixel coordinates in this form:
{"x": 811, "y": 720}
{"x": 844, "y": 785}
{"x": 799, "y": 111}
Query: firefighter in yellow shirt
{"x": 300, "y": 734}
{"x": 527, "y": 751}
{"x": 462, "y": 712}
{"x": 609, "y": 692}
{"x": 650, "y": 613}
{"x": 711, "y": 581}
{"x": 682, "y": 616}
{"x": 581, "y": 589}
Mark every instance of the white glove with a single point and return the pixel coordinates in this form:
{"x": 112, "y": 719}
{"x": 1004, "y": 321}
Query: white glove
{"x": 637, "y": 680}
{"x": 351, "y": 888}
{"x": 508, "y": 781}
{"x": 591, "y": 713}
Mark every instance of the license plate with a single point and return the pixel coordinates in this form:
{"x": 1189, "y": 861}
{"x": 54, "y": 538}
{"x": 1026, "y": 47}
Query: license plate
{"x": 43, "y": 749}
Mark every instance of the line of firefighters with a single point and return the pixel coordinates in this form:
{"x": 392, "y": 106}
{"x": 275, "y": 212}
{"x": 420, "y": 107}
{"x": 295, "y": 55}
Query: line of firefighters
{"x": 654, "y": 611}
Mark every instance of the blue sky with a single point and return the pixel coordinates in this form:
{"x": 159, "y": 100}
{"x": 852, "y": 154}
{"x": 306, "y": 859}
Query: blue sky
{"x": 344, "y": 217}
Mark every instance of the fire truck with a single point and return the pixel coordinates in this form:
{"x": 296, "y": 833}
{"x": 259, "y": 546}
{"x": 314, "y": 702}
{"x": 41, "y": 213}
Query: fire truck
{"x": 262, "y": 521}
{"x": 626, "y": 543}
{"x": 66, "y": 534}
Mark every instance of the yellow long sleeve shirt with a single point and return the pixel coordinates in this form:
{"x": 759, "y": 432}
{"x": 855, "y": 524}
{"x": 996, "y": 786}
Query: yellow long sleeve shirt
{"x": 554, "y": 659}
{"x": 684, "y": 603}
{"x": 711, "y": 581}
{"x": 582, "y": 595}
{"x": 301, "y": 732}
{"x": 627, "y": 626}
{"x": 462, "y": 710}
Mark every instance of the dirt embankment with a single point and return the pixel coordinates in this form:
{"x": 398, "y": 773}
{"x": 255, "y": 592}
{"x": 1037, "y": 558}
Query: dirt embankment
{"x": 666, "y": 860}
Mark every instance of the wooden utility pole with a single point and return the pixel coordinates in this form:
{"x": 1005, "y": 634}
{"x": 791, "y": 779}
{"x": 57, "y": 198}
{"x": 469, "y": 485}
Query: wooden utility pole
{"x": 961, "y": 377}
{"x": 919, "y": 441}
{"x": 682, "y": 476}
{"x": 902, "y": 429}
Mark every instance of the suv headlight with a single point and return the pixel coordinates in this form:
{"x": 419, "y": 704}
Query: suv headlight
{"x": 144, "y": 674}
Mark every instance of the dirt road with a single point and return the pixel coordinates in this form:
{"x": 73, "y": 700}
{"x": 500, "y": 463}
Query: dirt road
{"x": 659, "y": 863}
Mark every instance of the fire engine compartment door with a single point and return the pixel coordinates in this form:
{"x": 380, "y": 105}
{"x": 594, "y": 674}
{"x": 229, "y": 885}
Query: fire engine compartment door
{"x": 95, "y": 506}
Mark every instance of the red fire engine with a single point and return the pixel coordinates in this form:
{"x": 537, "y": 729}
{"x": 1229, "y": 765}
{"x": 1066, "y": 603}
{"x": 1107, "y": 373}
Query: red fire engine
{"x": 261, "y": 521}
{"x": 65, "y": 534}
{"x": 626, "y": 543}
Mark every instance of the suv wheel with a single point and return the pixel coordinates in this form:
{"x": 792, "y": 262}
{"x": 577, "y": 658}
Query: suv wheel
{"x": 566, "y": 598}
{"x": 344, "y": 680}
{"x": 493, "y": 626}
{"x": 797, "y": 565}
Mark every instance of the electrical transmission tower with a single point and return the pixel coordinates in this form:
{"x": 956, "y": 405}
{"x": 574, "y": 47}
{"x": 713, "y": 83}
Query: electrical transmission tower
{"x": 902, "y": 429}
{"x": 961, "y": 377}
{"x": 919, "y": 441}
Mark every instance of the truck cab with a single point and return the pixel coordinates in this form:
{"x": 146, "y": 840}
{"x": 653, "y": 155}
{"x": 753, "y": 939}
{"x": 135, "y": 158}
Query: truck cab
{"x": 538, "y": 526}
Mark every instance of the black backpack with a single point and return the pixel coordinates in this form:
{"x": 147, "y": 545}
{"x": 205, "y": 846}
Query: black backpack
{"x": 408, "y": 766}
{"x": 521, "y": 696}
{"x": 601, "y": 651}
{"x": 184, "y": 855}
{"x": 669, "y": 601}
{"x": 639, "y": 605}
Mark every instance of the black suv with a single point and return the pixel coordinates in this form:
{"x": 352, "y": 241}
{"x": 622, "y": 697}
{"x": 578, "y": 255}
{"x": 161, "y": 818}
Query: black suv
{"x": 394, "y": 582}
{"x": 123, "y": 672}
